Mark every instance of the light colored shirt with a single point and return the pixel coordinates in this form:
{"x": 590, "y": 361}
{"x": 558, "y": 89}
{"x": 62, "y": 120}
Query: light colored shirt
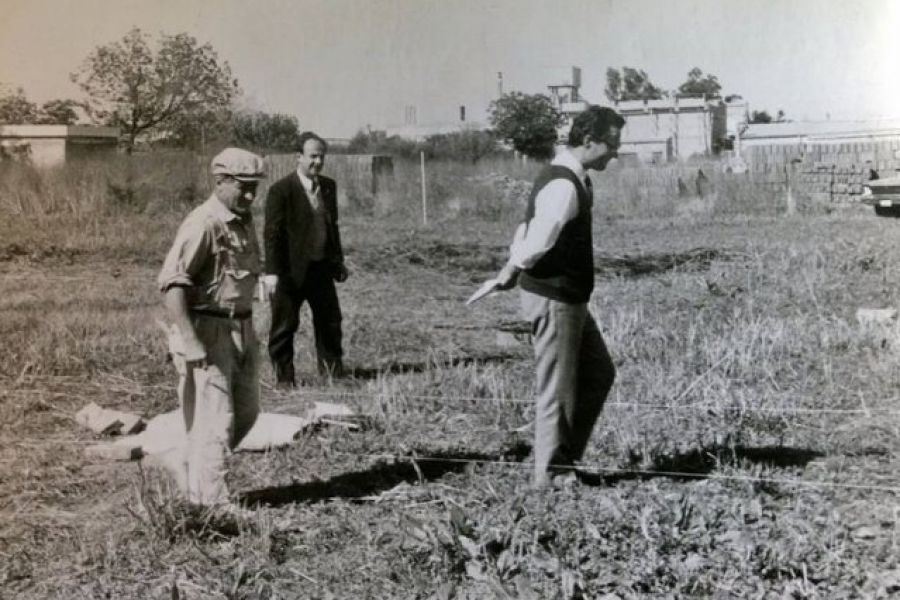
{"x": 554, "y": 206}
{"x": 318, "y": 230}
{"x": 215, "y": 257}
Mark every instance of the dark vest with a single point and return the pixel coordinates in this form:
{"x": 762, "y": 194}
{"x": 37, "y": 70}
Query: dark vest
{"x": 566, "y": 272}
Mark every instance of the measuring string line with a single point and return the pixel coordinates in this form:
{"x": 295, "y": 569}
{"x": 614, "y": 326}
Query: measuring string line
{"x": 593, "y": 469}
{"x": 526, "y": 401}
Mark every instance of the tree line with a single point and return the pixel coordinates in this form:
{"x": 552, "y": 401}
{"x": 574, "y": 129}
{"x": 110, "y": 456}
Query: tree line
{"x": 176, "y": 91}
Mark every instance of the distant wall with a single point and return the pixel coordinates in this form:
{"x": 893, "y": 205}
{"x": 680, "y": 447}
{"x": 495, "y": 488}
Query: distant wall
{"x": 47, "y": 152}
{"x": 826, "y": 169}
{"x": 53, "y": 145}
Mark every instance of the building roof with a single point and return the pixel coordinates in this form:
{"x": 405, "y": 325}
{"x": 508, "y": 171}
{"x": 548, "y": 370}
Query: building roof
{"x": 631, "y": 107}
{"x": 58, "y": 131}
{"x": 820, "y": 129}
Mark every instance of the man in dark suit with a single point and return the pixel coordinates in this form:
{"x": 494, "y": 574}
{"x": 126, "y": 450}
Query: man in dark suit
{"x": 303, "y": 260}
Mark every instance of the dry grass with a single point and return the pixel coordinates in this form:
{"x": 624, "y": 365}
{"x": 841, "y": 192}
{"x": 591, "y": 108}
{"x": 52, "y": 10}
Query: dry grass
{"x": 730, "y": 325}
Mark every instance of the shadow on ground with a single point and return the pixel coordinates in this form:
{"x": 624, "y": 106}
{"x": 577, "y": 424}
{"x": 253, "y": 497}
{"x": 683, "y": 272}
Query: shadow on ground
{"x": 701, "y": 462}
{"x": 394, "y": 368}
{"x": 382, "y": 476}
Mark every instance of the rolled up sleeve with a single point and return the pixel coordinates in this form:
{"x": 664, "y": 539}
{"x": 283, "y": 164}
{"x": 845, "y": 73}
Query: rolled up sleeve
{"x": 185, "y": 260}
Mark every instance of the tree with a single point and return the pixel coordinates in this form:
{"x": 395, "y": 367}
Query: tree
{"x": 631, "y": 84}
{"x": 699, "y": 85}
{"x": 760, "y": 116}
{"x": 15, "y": 109}
{"x": 265, "y": 131}
{"x": 59, "y": 112}
{"x": 145, "y": 92}
{"x": 527, "y": 122}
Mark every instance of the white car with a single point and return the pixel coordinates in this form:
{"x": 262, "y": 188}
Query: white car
{"x": 883, "y": 195}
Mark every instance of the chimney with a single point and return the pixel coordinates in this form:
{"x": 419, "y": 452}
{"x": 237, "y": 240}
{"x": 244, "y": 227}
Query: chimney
{"x": 462, "y": 113}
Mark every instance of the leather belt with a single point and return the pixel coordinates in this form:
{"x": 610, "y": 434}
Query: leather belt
{"x": 223, "y": 314}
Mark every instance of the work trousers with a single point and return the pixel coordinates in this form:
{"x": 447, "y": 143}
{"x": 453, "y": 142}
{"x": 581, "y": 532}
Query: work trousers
{"x": 319, "y": 290}
{"x": 219, "y": 402}
{"x": 574, "y": 374}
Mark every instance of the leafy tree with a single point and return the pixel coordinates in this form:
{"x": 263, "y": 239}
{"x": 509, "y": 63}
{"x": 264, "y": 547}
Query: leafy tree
{"x": 15, "y": 109}
{"x": 146, "y": 92}
{"x": 699, "y": 85}
{"x": 760, "y": 116}
{"x": 59, "y": 112}
{"x": 631, "y": 84}
{"x": 266, "y": 131}
{"x": 528, "y": 122}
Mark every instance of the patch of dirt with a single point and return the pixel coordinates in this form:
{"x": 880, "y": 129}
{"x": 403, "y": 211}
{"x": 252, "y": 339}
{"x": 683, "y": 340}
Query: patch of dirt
{"x": 40, "y": 254}
{"x": 476, "y": 258}
{"x": 636, "y": 265}
{"x": 432, "y": 254}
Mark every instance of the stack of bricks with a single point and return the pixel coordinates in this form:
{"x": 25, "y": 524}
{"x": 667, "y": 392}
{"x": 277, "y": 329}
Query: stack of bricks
{"x": 826, "y": 171}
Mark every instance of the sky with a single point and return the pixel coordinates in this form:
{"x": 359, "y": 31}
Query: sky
{"x": 341, "y": 65}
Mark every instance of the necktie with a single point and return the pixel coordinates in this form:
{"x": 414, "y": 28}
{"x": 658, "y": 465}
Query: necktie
{"x": 589, "y": 186}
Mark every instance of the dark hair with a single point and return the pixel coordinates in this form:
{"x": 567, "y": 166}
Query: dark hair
{"x": 309, "y": 135}
{"x": 594, "y": 121}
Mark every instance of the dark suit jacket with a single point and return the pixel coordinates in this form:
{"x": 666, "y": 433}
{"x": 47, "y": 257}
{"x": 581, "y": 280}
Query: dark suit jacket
{"x": 288, "y": 220}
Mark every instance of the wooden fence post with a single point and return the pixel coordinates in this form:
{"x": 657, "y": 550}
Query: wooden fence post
{"x": 424, "y": 192}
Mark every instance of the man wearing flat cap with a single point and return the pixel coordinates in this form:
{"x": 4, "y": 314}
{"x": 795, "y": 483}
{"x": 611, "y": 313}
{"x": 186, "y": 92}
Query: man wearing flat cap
{"x": 208, "y": 278}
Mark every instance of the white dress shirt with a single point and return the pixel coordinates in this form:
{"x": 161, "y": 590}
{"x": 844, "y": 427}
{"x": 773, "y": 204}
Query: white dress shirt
{"x": 555, "y": 205}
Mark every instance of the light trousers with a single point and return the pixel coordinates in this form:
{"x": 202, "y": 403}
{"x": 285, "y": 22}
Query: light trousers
{"x": 219, "y": 402}
{"x": 574, "y": 374}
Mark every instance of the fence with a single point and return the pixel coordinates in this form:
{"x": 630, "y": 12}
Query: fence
{"x": 358, "y": 175}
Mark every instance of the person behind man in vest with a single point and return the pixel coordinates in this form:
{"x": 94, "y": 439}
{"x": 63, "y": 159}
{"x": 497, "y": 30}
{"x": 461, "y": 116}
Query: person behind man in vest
{"x": 208, "y": 278}
{"x": 551, "y": 258}
{"x": 303, "y": 260}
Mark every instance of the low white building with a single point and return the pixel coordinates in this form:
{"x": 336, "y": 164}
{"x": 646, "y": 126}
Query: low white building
{"x": 419, "y": 132}
{"x": 54, "y": 145}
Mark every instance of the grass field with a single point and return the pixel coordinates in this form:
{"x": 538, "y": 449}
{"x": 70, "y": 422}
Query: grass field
{"x": 748, "y": 449}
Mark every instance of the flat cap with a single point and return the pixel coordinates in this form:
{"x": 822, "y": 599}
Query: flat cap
{"x": 240, "y": 164}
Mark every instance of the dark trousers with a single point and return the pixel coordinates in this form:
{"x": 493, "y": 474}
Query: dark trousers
{"x": 318, "y": 289}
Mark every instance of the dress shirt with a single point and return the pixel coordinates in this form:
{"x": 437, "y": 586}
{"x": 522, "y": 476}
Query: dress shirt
{"x": 555, "y": 205}
{"x": 215, "y": 257}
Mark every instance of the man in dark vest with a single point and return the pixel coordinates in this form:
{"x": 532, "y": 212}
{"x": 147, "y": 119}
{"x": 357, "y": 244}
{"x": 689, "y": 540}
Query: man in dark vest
{"x": 303, "y": 260}
{"x": 551, "y": 257}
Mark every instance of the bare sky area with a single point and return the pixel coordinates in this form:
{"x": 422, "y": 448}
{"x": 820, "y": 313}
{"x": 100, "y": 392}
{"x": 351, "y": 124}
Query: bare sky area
{"x": 339, "y": 65}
